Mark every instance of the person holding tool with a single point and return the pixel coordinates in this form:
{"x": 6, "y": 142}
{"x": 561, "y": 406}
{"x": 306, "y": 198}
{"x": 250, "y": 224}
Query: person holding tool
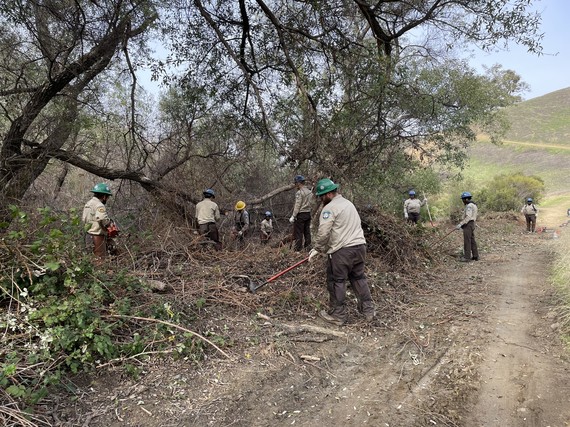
{"x": 266, "y": 227}
{"x": 96, "y": 220}
{"x": 241, "y": 221}
{"x": 412, "y": 207}
{"x": 341, "y": 238}
{"x": 470, "y": 252}
{"x": 301, "y": 218}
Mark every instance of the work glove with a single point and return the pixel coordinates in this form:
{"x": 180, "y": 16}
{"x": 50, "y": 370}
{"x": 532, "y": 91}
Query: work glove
{"x": 240, "y": 233}
{"x": 312, "y": 253}
{"x": 425, "y": 199}
{"x": 292, "y": 219}
{"x": 406, "y": 215}
{"x": 458, "y": 227}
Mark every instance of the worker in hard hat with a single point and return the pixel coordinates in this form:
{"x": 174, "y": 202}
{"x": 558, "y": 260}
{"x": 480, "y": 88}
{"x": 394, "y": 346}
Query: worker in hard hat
{"x": 241, "y": 221}
{"x": 530, "y": 213}
{"x": 412, "y": 207}
{"x": 266, "y": 227}
{"x": 301, "y": 218}
{"x": 97, "y": 220}
{"x": 341, "y": 238}
{"x": 467, "y": 224}
{"x": 207, "y": 214}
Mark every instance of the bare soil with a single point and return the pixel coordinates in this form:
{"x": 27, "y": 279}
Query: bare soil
{"x": 465, "y": 344}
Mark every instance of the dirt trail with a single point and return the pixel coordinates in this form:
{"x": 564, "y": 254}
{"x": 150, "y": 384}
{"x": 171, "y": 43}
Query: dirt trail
{"x": 469, "y": 345}
{"x": 537, "y": 145}
{"x": 524, "y": 382}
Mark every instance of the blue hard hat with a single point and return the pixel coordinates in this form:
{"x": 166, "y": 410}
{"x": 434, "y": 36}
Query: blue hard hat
{"x": 209, "y": 193}
{"x": 299, "y": 178}
{"x": 466, "y": 195}
{"x": 412, "y": 193}
{"x": 267, "y": 213}
{"x": 529, "y": 200}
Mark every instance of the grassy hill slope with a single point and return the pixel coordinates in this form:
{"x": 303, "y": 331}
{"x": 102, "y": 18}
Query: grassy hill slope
{"x": 538, "y": 144}
{"x": 542, "y": 120}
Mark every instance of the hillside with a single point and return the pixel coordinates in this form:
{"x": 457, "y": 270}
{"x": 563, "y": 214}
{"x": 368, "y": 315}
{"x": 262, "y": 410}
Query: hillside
{"x": 537, "y": 144}
{"x": 542, "y": 120}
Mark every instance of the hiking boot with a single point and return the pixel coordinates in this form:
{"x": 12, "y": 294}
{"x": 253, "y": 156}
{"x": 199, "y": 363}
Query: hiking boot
{"x": 475, "y": 258}
{"x": 331, "y": 319}
{"x": 369, "y": 317}
{"x": 462, "y": 259}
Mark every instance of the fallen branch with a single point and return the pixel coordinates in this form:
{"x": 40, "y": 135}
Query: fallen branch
{"x": 297, "y": 329}
{"x": 147, "y": 319}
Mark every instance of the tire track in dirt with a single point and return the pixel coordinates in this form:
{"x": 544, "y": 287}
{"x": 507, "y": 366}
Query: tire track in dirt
{"x": 523, "y": 381}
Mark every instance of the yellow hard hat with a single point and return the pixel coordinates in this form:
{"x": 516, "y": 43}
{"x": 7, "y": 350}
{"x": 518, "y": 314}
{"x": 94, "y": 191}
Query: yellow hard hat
{"x": 240, "y": 205}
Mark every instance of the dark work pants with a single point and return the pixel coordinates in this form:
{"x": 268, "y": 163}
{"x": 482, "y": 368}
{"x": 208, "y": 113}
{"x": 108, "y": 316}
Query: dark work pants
{"x": 348, "y": 263}
{"x": 530, "y": 222}
{"x": 302, "y": 228}
{"x": 413, "y": 217}
{"x": 469, "y": 243}
{"x": 210, "y": 230}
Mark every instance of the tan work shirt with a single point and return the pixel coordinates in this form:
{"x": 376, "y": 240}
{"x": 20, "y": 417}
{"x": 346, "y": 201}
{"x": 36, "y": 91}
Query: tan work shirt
{"x": 529, "y": 209}
{"x": 413, "y": 205}
{"x": 339, "y": 226}
{"x": 267, "y": 226}
{"x": 207, "y": 211}
{"x": 303, "y": 201}
{"x": 95, "y": 215}
{"x": 469, "y": 213}
{"x": 241, "y": 219}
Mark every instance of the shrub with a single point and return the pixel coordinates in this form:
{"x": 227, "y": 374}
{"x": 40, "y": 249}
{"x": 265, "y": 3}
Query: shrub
{"x": 59, "y": 314}
{"x": 508, "y": 192}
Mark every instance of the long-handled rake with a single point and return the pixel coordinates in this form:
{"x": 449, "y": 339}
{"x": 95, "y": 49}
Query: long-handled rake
{"x": 437, "y": 243}
{"x": 429, "y": 213}
{"x": 253, "y": 287}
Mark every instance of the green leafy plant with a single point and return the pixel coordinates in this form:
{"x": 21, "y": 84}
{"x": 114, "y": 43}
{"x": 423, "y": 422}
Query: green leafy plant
{"x": 508, "y": 192}
{"x": 60, "y": 314}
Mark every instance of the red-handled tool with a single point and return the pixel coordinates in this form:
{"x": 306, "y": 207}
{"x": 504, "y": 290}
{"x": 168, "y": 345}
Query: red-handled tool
{"x": 253, "y": 287}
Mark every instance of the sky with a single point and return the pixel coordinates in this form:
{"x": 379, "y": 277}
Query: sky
{"x": 546, "y": 73}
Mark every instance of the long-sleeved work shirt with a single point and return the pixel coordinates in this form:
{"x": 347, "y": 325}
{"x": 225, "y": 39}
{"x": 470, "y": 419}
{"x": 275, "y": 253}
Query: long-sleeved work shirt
{"x": 207, "y": 211}
{"x": 529, "y": 209}
{"x": 413, "y": 205}
{"x": 95, "y": 217}
{"x": 339, "y": 226}
{"x": 303, "y": 201}
{"x": 469, "y": 213}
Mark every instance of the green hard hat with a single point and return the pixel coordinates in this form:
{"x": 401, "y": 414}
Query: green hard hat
{"x": 325, "y": 186}
{"x": 102, "y": 188}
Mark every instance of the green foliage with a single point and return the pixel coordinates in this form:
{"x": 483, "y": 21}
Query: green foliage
{"x": 388, "y": 188}
{"x": 60, "y": 314}
{"x": 509, "y": 192}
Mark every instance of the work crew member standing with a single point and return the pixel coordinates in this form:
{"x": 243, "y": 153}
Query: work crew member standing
{"x": 266, "y": 227}
{"x": 207, "y": 213}
{"x": 97, "y": 220}
{"x": 301, "y": 217}
{"x": 470, "y": 252}
{"x": 340, "y": 236}
{"x": 412, "y": 207}
{"x": 530, "y": 213}
{"x": 241, "y": 221}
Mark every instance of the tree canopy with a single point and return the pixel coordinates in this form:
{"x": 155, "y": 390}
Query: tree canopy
{"x": 343, "y": 88}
